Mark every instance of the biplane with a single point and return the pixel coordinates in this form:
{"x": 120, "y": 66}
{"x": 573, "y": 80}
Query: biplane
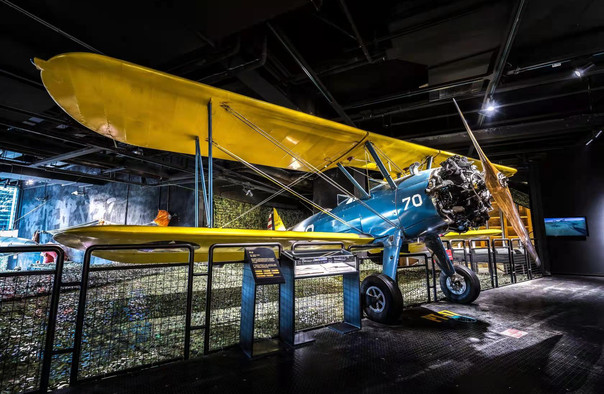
{"x": 425, "y": 192}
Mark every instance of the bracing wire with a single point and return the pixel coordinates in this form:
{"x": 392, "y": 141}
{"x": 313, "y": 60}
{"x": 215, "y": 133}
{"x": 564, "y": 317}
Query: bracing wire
{"x": 311, "y": 167}
{"x": 275, "y": 194}
{"x": 284, "y": 186}
{"x": 390, "y": 162}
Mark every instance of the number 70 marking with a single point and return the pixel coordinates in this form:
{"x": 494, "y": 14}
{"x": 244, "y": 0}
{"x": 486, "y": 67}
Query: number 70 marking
{"x": 416, "y": 200}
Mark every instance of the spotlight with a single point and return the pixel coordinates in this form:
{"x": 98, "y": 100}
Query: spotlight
{"x": 579, "y": 72}
{"x": 249, "y": 193}
{"x": 489, "y": 109}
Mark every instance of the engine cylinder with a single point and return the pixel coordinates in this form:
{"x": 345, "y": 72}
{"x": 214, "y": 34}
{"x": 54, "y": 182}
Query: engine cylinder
{"x": 460, "y": 194}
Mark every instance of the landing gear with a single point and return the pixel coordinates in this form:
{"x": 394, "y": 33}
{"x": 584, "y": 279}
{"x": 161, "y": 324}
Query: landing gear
{"x": 382, "y": 299}
{"x": 463, "y": 287}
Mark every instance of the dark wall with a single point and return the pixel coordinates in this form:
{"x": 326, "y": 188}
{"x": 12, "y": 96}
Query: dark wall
{"x": 572, "y": 184}
{"x": 47, "y": 208}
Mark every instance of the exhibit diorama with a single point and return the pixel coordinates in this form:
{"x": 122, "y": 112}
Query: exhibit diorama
{"x": 301, "y": 196}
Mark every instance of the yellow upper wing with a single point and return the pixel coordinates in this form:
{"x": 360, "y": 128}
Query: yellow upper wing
{"x": 151, "y": 109}
{"x": 201, "y": 238}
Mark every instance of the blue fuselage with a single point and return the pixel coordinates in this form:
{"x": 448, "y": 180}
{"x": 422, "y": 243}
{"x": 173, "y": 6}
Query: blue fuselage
{"x": 407, "y": 208}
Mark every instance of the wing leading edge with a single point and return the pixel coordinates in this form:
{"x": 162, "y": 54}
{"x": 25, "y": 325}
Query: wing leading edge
{"x": 201, "y": 238}
{"x": 148, "y": 108}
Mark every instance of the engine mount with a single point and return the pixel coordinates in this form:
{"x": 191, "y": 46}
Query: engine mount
{"x": 460, "y": 194}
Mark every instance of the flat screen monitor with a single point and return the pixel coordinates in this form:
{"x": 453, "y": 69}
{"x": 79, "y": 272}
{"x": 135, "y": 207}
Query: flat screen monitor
{"x": 566, "y": 227}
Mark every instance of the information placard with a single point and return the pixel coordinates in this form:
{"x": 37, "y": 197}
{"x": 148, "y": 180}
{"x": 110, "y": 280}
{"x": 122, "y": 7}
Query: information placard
{"x": 265, "y": 266}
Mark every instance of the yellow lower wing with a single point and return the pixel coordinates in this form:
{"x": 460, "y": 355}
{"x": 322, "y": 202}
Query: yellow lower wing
{"x": 201, "y": 238}
{"x": 472, "y": 234}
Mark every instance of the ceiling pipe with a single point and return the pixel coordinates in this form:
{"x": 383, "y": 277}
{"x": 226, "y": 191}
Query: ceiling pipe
{"x": 355, "y": 31}
{"x": 22, "y": 79}
{"x": 411, "y": 93}
{"x": 561, "y": 77}
{"x": 66, "y": 156}
{"x": 435, "y": 21}
{"x": 502, "y": 58}
{"x": 50, "y": 26}
{"x": 314, "y": 78}
{"x": 31, "y": 113}
{"x": 246, "y": 66}
{"x": 511, "y": 104}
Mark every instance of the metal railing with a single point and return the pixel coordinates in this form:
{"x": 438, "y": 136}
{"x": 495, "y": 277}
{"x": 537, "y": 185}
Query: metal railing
{"x": 25, "y": 367}
{"x": 120, "y": 318}
{"x": 128, "y": 325}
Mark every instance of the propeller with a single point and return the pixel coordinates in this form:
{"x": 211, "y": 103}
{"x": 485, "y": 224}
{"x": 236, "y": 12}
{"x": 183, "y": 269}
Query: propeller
{"x": 497, "y": 183}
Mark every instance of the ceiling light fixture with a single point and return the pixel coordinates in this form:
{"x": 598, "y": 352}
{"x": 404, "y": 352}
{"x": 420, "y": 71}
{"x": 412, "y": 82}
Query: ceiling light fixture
{"x": 598, "y": 133}
{"x": 29, "y": 182}
{"x": 589, "y": 142}
{"x": 580, "y": 72}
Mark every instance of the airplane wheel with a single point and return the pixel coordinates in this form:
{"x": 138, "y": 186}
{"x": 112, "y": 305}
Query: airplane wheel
{"x": 382, "y": 299}
{"x": 463, "y": 288}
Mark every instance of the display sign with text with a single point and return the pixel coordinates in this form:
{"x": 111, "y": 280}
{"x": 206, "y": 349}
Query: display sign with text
{"x": 265, "y": 266}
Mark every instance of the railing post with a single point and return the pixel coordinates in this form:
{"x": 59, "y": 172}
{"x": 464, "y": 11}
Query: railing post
{"x": 189, "y": 310}
{"x": 52, "y": 319}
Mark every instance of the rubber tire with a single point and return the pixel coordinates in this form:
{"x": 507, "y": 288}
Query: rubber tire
{"x": 472, "y": 286}
{"x": 392, "y": 296}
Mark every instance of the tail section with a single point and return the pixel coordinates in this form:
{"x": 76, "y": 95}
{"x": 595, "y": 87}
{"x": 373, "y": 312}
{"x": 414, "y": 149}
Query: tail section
{"x": 275, "y": 222}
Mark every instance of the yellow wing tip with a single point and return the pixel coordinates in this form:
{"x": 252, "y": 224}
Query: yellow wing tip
{"x": 39, "y": 63}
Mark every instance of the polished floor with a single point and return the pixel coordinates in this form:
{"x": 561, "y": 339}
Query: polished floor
{"x": 556, "y": 323}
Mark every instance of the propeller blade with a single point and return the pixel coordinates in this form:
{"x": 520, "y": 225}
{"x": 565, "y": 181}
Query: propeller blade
{"x": 497, "y": 185}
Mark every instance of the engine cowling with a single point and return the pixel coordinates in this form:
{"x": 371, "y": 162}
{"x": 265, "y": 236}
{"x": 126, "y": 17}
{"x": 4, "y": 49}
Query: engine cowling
{"x": 460, "y": 195}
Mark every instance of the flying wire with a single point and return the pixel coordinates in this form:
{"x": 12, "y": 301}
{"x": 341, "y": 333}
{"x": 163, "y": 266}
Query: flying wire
{"x": 284, "y": 186}
{"x": 303, "y": 161}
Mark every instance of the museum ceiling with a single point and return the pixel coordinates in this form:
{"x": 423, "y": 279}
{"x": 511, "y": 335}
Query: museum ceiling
{"x": 389, "y": 67}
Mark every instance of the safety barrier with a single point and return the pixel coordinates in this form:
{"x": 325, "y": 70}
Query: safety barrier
{"x": 113, "y": 319}
{"x": 28, "y": 316}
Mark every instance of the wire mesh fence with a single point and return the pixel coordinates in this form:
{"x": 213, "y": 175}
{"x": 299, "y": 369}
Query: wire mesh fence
{"x": 136, "y": 315}
{"x": 28, "y": 308}
{"x": 135, "y": 322}
{"x": 481, "y": 262}
{"x": 319, "y": 301}
{"x": 225, "y": 306}
{"x": 24, "y": 313}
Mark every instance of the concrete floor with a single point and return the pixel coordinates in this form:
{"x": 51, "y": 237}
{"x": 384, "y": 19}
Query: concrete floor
{"x": 563, "y": 318}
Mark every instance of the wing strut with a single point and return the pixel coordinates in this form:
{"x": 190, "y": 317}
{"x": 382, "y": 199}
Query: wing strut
{"x": 354, "y": 182}
{"x": 380, "y": 165}
{"x": 198, "y": 171}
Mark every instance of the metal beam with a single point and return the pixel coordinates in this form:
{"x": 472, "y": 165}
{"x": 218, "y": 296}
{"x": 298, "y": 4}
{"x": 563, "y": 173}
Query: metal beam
{"x": 502, "y": 58}
{"x": 356, "y": 31}
{"x": 314, "y": 78}
{"x": 8, "y": 167}
{"x": 66, "y": 156}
